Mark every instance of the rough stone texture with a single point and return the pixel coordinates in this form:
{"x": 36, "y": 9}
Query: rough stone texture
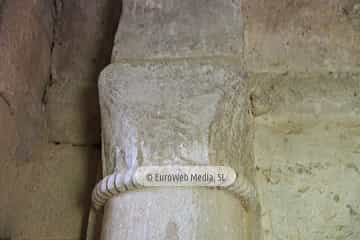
{"x": 52, "y": 192}
{"x": 306, "y": 118}
{"x": 172, "y": 28}
{"x": 45, "y": 189}
{"x": 73, "y": 112}
{"x": 334, "y": 96}
{"x": 302, "y": 35}
{"x": 306, "y": 131}
{"x": 308, "y": 174}
{"x": 308, "y": 182}
{"x": 164, "y": 113}
{"x": 46, "y": 197}
{"x": 180, "y": 112}
{"x": 82, "y": 48}
{"x": 25, "y": 27}
{"x": 169, "y": 214}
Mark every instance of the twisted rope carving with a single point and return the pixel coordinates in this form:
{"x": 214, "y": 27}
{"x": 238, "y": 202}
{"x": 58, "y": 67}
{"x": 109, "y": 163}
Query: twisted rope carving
{"x": 118, "y": 183}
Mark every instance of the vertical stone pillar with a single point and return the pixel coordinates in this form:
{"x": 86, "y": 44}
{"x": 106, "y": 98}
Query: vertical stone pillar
{"x": 190, "y": 110}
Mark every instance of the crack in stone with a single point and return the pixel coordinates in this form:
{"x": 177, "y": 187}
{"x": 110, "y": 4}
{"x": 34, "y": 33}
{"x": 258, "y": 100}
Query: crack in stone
{"x": 7, "y": 102}
{"x": 2, "y": 4}
{"x": 48, "y": 84}
{"x": 86, "y": 145}
{"x": 57, "y": 7}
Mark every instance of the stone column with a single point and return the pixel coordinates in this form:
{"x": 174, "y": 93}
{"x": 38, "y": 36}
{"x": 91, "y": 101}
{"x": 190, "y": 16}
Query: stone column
{"x": 188, "y": 110}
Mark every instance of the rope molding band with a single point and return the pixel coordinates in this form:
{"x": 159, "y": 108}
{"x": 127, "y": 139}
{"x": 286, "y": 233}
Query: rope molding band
{"x": 117, "y": 183}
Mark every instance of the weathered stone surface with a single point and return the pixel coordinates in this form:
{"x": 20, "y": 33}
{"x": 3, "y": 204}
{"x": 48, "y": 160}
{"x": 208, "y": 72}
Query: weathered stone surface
{"x": 302, "y": 35}
{"x": 306, "y": 156}
{"x": 172, "y": 28}
{"x": 182, "y": 112}
{"x": 190, "y": 213}
{"x": 73, "y": 113}
{"x": 41, "y": 42}
{"x": 50, "y": 193}
{"x": 325, "y": 95}
{"x": 308, "y": 182}
{"x": 25, "y": 27}
{"x": 165, "y": 113}
{"x": 82, "y": 48}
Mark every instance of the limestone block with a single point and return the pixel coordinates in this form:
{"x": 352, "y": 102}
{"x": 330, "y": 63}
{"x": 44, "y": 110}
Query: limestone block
{"x": 334, "y": 96}
{"x": 171, "y": 113}
{"x": 81, "y": 49}
{"x": 308, "y": 181}
{"x": 73, "y": 113}
{"x": 51, "y": 195}
{"x": 24, "y": 29}
{"x": 175, "y": 214}
{"x": 302, "y": 35}
{"x": 43, "y": 196}
{"x": 172, "y": 28}
{"x": 166, "y": 113}
{"x": 306, "y": 155}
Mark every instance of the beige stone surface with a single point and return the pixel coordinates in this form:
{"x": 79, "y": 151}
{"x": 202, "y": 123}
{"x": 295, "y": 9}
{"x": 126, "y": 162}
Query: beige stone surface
{"x": 184, "y": 112}
{"x": 50, "y": 194}
{"x": 82, "y": 48}
{"x": 303, "y": 35}
{"x": 172, "y": 28}
{"x": 306, "y": 119}
{"x": 73, "y": 112}
{"x": 25, "y": 27}
{"x": 168, "y": 113}
{"x": 175, "y": 213}
{"x": 308, "y": 182}
{"x": 45, "y": 188}
{"x": 47, "y": 198}
{"x": 306, "y": 156}
{"x": 334, "y": 96}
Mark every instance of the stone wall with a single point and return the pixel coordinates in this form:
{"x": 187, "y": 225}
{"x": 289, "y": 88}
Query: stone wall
{"x": 51, "y": 55}
{"x": 301, "y": 60}
{"x": 175, "y": 93}
{"x": 308, "y": 174}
